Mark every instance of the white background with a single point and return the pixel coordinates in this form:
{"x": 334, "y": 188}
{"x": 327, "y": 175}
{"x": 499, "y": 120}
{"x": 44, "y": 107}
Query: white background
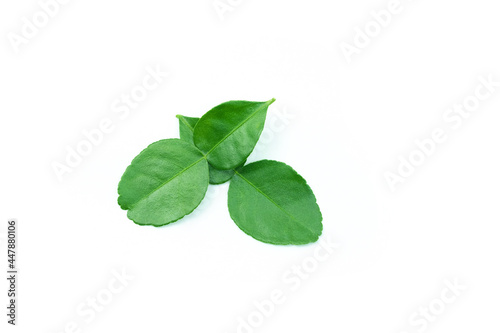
{"x": 349, "y": 123}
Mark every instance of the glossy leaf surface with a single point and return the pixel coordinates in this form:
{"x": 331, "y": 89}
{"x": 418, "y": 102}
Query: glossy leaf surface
{"x": 228, "y": 133}
{"x": 186, "y": 129}
{"x": 271, "y": 202}
{"x": 165, "y": 182}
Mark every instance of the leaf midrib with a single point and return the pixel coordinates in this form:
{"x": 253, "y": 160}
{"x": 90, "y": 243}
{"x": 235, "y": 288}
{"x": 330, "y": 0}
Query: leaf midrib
{"x": 273, "y": 202}
{"x": 260, "y": 108}
{"x": 187, "y": 124}
{"x": 165, "y": 182}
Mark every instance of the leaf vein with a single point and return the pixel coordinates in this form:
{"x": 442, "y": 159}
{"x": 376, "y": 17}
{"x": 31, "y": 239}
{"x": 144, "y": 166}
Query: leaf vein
{"x": 260, "y": 108}
{"x": 167, "y": 181}
{"x": 273, "y": 202}
{"x": 187, "y": 124}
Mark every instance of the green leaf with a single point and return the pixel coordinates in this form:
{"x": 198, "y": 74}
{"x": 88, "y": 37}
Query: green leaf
{"x": 186, "y": 129}
{"x": 228, "y": 133}
{"x": 217, "y": 176}
{"x": 165, "y": 182}
{"x": 271, "y": 202}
